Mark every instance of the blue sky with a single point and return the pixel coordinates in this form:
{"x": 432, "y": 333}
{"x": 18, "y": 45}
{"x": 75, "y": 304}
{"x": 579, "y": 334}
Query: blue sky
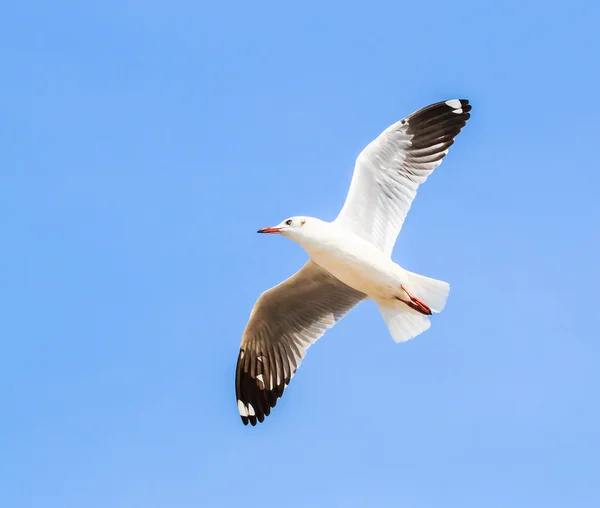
{"x": 143, "y": 143}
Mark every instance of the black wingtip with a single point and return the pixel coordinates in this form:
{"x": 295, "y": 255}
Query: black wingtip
{"x": 465, "y": 106}
{"x": 258, "y": 386}
{"x": 438, "y": 124}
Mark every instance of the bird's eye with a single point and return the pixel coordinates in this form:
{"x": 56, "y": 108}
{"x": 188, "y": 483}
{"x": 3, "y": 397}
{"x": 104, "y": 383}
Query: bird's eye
{"x": 289, "y": 222}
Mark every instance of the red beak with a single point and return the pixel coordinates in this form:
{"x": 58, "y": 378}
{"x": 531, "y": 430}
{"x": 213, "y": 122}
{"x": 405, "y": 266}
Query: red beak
{"x": 269, "y": 230}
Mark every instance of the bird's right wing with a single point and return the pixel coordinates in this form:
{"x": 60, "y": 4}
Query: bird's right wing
{"x": 391, "y": 168}
{"x": 284, "y": 322}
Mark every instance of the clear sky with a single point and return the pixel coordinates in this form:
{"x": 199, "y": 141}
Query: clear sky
{"x": 142, "y": 145}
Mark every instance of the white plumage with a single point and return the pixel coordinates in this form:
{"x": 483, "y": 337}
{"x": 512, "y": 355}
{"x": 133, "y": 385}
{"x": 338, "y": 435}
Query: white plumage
{"x": 350, "y": 260}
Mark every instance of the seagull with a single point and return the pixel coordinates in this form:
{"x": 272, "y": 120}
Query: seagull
{"x": 350, "y": 260}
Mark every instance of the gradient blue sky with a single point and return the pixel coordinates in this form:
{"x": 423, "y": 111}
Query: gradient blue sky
{"x": 142, "y": 145}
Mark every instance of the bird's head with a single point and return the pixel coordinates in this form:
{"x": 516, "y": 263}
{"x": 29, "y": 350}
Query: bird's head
{"x": 295, "y": 228}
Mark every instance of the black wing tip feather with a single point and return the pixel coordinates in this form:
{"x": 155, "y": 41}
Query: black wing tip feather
{"x": 256, "y": 396}
{"x": 436, "y": 126}
{"x": 440, "y": 112}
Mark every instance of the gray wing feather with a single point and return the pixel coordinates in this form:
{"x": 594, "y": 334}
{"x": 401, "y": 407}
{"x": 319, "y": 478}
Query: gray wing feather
{"x": 284, "y": 322}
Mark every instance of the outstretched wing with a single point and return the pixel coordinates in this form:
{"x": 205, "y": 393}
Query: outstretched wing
{"x": 391, "y": 168}
{"x": 284, "y": 322}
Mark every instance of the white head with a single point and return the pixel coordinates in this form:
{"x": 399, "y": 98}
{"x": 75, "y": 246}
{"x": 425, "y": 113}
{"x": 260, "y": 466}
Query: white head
{"x": 296, "y": 228}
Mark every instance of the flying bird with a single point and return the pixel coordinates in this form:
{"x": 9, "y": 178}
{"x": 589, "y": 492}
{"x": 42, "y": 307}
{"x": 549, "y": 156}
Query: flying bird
{"x": 350, "y": 260}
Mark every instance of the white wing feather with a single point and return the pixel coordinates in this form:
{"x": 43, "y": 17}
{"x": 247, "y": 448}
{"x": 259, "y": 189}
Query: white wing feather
{"x": 391, "y": 168}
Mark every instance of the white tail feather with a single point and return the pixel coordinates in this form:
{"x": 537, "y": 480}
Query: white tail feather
{"x": 403, "y": 322}
{"x": 432, "y": 292}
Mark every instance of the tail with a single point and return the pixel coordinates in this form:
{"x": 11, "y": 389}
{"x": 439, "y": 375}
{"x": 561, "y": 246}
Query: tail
{"x": 403, "y": 322}
{"x": 407, "y": 317}
{"x": 431, "y": 291}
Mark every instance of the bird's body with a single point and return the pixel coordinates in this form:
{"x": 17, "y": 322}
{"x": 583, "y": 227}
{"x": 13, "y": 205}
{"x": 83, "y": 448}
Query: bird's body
{"x": 353, "y": 260}
{"x": 350, "y": 260}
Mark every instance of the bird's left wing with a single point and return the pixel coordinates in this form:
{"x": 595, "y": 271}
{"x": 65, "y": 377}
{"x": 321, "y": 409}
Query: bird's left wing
{"x": 391, "y": 168}
{"x": 284, "y": 322}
